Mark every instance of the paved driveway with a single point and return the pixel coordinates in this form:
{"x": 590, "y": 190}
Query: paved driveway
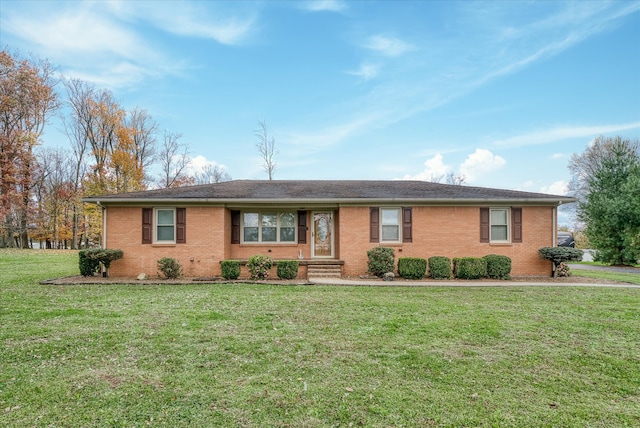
{"x": 618, "y": 269}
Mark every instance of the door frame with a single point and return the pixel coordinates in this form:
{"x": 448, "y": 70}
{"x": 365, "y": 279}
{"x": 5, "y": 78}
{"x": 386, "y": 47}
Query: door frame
{"x": 331, "y": 231}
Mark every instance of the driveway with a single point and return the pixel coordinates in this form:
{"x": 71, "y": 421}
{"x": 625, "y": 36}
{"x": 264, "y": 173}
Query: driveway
{"x": 617, "y": 269}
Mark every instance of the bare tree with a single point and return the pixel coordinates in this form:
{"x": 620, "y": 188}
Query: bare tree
{"x": 456, "y": 180}
{"x": 266, "y": 146}
{"x": 142, "y": 129}
{"x": 174, "y": 160}
{"x": 212, "y": 174}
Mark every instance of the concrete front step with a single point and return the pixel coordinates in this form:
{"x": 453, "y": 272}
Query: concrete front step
{"x": 324, "y": 271}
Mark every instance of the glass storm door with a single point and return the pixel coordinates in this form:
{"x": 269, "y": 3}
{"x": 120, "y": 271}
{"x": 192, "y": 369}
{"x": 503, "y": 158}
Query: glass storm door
{"x": 322, "y": 234}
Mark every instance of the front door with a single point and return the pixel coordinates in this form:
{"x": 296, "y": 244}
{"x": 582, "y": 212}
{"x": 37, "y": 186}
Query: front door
{"x": 322, "y": 234}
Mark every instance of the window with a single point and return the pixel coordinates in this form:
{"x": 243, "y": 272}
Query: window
{"x": 501, "y": 225}
{"x": 164, "y": 225}
{"x": 277, "y": 227}
{"x": 390, "y": 224}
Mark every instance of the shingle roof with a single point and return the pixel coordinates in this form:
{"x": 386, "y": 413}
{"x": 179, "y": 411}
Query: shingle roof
{"x": 316, "y": 191}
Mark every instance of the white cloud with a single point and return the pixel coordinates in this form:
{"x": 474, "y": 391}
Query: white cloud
{"x": 388, "y": 46}
{"x": 366, "y": 71}
{"x": 557, "y": 134}
{"x": 479, "y": 163}
{"x": 558, "y": 156}
{"x": 199, "y": 162}
{"x": 326, "y": 5}
{"x": 560, "y": 187}
{"x": 435, "y": 170}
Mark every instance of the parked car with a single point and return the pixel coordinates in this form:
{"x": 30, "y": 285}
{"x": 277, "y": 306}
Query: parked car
{"x": 565, "y": 239}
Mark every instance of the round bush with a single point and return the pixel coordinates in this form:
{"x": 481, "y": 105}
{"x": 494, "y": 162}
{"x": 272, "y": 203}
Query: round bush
{"x": 498, "y": 267}
{"x": 259, "y": 266}
{"x": 412, "y": 267}
{"x": 169, "y": 267}
{"x": 287, "y": 269}
{"x": 230, "y": 269}
{"x": 381, "y": 261}
{"x": 471, "y": 268}
{"x": 439, "y": 267}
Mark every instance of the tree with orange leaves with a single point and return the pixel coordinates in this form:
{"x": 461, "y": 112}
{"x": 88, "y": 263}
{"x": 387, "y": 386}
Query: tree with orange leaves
{"x": 27, "y": 98}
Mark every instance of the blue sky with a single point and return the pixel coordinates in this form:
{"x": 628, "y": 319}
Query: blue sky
{"x": 502, "y": 92}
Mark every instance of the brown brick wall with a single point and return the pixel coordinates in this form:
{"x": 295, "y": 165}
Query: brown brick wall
{"x": 437, "y": 231}
{"x": 451, "y": 232}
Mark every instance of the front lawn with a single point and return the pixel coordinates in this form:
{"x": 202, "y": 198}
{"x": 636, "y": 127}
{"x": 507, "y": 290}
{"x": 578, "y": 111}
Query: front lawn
{"x": 310, "y": 356}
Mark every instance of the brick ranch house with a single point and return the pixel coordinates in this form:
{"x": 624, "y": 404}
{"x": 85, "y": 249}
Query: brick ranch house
{"x": 325, "y": 224}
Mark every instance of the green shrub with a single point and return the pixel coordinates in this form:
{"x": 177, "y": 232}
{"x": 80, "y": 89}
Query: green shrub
{"x": 498, "y": 267}
{"x": 560, "y": 255}
{"x": 471, "y": 268}
{"x": 169, "y": 267}
{"x": 90, "y": 260}
{"x": 439, "y": 267}
{"x": 88, "y": 266}
{"x": 230, "y": 269}
{"x": 259, "y": 266}
{"x": 381, "y": 261}
{"x": 287, "y": 269}
{"x": 412, "y": 267}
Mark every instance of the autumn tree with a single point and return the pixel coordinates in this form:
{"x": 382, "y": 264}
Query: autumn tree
{"x": 266, "y": 146}
{"x": 174, "y": 161}
{"x": 27, "y": 99}
{"x": 606, "y": 181}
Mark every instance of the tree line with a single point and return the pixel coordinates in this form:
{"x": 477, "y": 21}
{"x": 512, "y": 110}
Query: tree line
{"x": 110, "y": 150}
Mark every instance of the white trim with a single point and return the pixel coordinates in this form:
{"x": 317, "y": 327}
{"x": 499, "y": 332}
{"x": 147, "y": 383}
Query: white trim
{"x": 155, "y": 225}
{"x": 399, "y": 218}
{"x": 278, "y": 213}
{"x": 508, "y": 225}
{"x": 313, "y": 237}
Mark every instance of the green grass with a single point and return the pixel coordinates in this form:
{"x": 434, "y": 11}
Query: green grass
{"x": 631, "y": 278}
{"x": 306, "y": 356}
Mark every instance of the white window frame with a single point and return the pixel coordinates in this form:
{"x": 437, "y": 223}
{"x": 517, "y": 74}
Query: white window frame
{"x": 398, "y": 224}
{"x": 278, "y": 226}
{"x": 157, "y": 224}
{"x": 507, "y": 212}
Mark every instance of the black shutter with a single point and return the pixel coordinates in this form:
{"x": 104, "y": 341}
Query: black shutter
{"x": 406, "y": 225}
{"x": 374, "y": 224}
{"x": 302, "y": 227}
{"x": 181, "y": 225}
{"x": 235, "y": 227}
{"x": 516, "y": 225}
{"x": 484, "y": 225}
{"x": 147, "y": 224}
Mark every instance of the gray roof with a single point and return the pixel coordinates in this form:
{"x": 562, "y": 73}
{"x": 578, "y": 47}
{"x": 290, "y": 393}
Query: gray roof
{"x": 328, "y": 191}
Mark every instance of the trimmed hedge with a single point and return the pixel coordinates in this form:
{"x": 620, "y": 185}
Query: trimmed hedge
{"x": 287, "y": 269}
{"x": 439, "y": 267}
{"x": 230, "y": 269}
{"x": 381, "y": 261}
{"x": 498, "y": 267}
{"x": 412, "y": 267}
{"x": 470, "y": 267}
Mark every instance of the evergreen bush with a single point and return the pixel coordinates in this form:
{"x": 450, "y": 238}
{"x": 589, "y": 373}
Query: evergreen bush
{"x": 412, "y": 267}
{"x": 498, "y": 267}
{"x": 169, "y": 267}
{"x": 230, "y": 269}
{"x": 88, "y": 266}
{"x": 91, "y": 259}
{"x": 381, "y": 261}
{"x": 560, "y": 255}
{"x": 259, "y": 266}
{"x": 439, "y": 267}
{"x": 471, "y": 268}
{"x": 287, "y": 269}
